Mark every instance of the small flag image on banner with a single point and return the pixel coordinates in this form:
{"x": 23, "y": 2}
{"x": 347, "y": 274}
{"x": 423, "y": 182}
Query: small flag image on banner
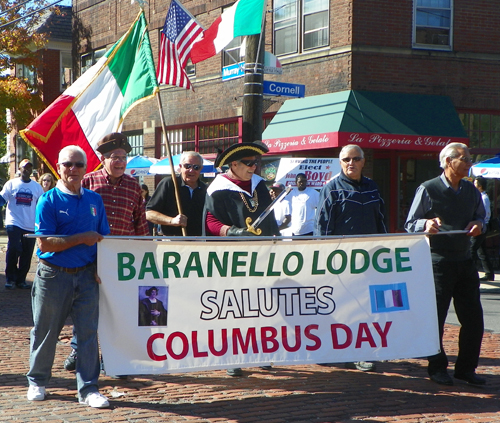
{"x": 387, "y": 298}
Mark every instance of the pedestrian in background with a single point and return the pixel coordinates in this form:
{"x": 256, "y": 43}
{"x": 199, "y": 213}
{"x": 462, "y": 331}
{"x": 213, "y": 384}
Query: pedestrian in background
{"x": 47, "y": 181}
{"x": 21, "y": 196}
{"x": 478, "y": 248}
{"x": 450, "y": 203}
{"x": 282, "y": 211}
{"x": 303, "y": 202}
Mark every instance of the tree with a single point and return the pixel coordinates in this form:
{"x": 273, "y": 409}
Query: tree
{"x": 20, "y": 43}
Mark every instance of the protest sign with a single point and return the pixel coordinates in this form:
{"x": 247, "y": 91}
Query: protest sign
{"x": 240, "y": 304}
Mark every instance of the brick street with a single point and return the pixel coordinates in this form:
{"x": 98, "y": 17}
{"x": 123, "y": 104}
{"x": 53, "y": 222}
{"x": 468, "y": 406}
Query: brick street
{"x": 398, "y": 392}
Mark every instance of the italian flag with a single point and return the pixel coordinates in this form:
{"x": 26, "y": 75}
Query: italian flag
{"x": 97, "y": 102}
{"x": 242, "y": 18}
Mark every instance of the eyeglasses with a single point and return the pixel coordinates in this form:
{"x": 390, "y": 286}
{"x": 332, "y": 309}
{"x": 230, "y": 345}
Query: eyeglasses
{"x": 47, "y": 180}
{"x": 71, "y": 164}
{"x": 354, "y": 159}
{"x": 465, "y": 159}
{"x": 117, "y": 158}
{"x": 249, "y": 163}
{"x": 189, "y": 166}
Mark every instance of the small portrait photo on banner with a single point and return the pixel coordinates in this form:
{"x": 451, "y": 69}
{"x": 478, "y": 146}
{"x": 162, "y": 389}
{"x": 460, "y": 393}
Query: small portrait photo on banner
{"x": 153, "y": 304}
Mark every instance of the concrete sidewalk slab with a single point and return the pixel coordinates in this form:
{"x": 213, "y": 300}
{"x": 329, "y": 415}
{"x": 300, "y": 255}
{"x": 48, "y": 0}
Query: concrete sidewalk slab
{"x": 398, "y": 392}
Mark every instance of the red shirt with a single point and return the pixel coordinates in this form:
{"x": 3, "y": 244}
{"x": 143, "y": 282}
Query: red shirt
{"x": 123, "y": 202}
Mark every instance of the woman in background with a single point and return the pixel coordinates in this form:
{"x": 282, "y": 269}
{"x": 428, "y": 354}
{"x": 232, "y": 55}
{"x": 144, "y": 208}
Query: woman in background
{"x": 47, "y": 181}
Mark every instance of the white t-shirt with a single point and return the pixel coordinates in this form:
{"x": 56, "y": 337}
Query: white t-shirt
{"x": 282, "y": 210}
{"x": 303, "y": 210}
{"x": 21, "y": 200}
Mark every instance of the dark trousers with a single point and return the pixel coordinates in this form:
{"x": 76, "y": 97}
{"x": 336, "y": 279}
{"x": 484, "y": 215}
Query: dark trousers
{"x": 478, "y": 250}
{"x": 19, "y": 253}
{"x": 458, "y": 280}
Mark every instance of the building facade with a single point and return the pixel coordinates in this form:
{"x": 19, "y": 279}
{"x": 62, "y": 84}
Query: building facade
{"x": 401, "y": 58}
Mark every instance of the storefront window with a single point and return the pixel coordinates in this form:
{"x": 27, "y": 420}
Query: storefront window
{"x": 483, "y": 129}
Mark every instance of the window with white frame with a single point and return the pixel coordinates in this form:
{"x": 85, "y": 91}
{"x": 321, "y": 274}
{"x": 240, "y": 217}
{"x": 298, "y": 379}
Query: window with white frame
{"x": 433, "y": 24}
{"x": 136, "y": 141}
{"x": 300, "y": 25}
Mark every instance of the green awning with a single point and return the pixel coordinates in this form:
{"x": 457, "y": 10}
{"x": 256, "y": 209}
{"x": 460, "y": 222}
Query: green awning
{"x": 370, "y": 119}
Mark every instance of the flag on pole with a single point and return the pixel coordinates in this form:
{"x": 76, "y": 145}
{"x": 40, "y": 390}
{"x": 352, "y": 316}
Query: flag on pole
{"x": 97, "y": 102}
{"x": 177, "y": 37}
{"x": 242, "y": 18}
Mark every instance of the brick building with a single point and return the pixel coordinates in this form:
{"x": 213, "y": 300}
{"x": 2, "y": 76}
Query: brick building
{"x": 415, "y": 74}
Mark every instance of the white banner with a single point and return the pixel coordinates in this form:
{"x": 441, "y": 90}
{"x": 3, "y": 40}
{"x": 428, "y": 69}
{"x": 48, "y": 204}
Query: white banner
{"x": 318, "y": 171}
{"x": 242, "y": 304}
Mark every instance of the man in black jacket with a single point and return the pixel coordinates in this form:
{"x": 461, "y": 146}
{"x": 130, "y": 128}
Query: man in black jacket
{"x": 350, "y": 204}
{"x": 162, "y": 207}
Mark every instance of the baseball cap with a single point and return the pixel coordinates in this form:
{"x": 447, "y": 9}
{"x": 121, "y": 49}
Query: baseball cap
{"x": 25, "y": 162}
{"x": 278, "y": 185}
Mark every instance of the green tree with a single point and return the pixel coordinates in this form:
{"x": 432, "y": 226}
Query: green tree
{"x": 20, "y": 43}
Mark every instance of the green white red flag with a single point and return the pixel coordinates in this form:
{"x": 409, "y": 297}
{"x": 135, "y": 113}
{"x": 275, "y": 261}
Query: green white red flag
{"x": 242, "y": 18}
{"x": 97, "y": 102}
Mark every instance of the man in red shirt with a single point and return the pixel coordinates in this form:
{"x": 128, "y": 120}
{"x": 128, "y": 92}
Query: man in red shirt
{"x": 121, "y": 195}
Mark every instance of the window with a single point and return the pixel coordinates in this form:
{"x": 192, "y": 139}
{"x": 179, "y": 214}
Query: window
{"x": 433, "y": 24}
{"x": 66, "y": 70}
{"x": 180, "y": 140}
{"x": 89, "y": 59}
{"x": 136, "y": 141}
{"x": 231, "y": 53}
{"x": 300, "y": 25}
{"x": 27, "y": 73}
{"x": 483, "y": 130}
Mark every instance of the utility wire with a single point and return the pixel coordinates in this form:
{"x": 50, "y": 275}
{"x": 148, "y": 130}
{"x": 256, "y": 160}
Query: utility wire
{"x": 15, "y": 7}
{"x": 29, "y": 14}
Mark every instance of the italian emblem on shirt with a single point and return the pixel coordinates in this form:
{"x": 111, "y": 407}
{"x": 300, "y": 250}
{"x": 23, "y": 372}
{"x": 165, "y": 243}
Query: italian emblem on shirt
{"x": 93, "y": 210}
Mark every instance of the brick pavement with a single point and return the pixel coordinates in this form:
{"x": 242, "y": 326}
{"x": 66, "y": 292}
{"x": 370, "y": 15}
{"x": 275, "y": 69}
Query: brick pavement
{"x": 398, "y": 392}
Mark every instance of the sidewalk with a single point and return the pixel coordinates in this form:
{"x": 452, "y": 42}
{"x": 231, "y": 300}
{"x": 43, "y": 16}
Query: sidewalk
{"x": 398, "y": 392}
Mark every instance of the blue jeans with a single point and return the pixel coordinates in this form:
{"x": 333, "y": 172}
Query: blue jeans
{"x": 56, "y": 295}
{"x": 19, "y": 252}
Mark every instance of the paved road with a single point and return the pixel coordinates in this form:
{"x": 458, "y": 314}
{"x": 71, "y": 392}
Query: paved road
{"x": 398, "y": 392}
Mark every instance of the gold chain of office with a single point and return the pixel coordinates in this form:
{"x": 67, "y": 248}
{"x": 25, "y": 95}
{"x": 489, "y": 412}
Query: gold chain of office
{"x": 254, "y": 201}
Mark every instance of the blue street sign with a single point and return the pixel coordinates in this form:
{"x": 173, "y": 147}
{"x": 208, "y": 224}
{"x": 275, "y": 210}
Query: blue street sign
{"x": 284, "y": 89}
{"x": 236, "y": 70}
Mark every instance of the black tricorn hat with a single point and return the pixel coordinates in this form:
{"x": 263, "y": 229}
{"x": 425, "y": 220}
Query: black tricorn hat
{"x": 113, "y": 141}
{"x": 240, "y": 150}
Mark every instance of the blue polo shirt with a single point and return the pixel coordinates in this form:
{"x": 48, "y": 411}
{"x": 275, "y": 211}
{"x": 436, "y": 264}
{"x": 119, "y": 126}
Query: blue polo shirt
{"x": 61, "y": 213}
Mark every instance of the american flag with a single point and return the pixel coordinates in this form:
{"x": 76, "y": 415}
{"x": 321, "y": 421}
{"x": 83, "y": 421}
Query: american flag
{"x": 178, "y": 35}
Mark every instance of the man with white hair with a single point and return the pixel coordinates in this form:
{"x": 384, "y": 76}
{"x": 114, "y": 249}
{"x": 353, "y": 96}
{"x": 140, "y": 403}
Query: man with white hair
{"x": 70, "y": 221}
{"x": 350, "y": 204}
{"x": 162, "y": 207}
{"x": 451, "y": 203}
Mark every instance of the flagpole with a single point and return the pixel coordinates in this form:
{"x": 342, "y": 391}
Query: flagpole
{"x": 169, "y": 153}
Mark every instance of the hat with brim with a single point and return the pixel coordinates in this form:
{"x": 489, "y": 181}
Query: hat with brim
{"x": 277, "y": 185}
{"x": 240, "y": 150}
{"x": 25, "y": 162}
{"x": 112, "y": 142}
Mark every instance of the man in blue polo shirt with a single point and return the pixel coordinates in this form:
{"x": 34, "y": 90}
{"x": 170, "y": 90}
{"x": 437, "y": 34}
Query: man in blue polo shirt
{"x": 72, "y": 220}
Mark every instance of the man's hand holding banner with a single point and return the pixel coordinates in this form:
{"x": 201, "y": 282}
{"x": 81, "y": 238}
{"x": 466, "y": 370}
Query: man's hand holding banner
{"x": 235, "y": 304}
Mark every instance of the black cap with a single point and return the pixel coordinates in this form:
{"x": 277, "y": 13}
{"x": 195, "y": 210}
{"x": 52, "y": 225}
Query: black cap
{"x": 240, "y": 150}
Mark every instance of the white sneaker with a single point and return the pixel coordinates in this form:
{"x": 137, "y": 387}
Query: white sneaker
{"x": 95, "y": 400}
{"x": 36, "y": 393}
